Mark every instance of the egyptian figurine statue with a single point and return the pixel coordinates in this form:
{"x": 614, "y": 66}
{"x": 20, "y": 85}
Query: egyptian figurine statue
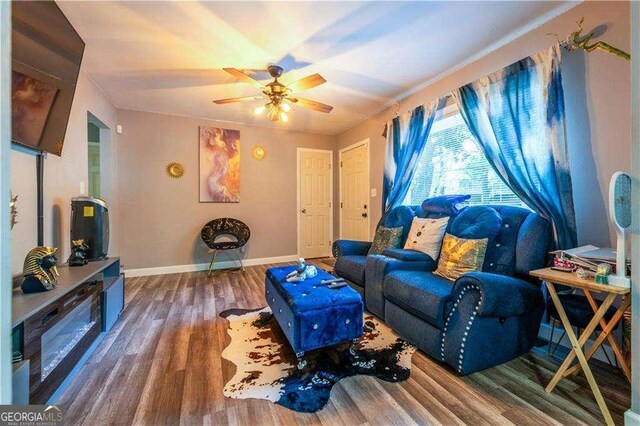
{"x": 78, "y": 253}
{"x": 40, "y": 272}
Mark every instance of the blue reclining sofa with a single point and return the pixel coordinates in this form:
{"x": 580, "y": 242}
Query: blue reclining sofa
{"x": 482, "y": 319}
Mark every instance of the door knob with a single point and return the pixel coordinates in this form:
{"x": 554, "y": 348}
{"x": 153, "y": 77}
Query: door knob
{"x": 303, "y": 210}
{"x": 364, "y": 214}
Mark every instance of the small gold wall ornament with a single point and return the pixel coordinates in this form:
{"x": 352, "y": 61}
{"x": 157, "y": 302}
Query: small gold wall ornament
{"x": 259, "y": 152}
{"x": 14, "y": 209}
{"x": 175, "y": 170}
{"x": 575, "y": 41}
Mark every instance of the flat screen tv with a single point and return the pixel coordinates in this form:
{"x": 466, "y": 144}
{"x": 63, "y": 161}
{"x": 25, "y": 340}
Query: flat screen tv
{"x": 46, "y": 54}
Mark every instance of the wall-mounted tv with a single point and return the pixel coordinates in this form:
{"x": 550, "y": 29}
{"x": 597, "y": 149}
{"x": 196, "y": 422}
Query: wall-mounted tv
{"x": 46, "y": 54}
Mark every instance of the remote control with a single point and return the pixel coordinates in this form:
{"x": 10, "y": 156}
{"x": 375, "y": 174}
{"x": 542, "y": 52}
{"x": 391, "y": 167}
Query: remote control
{"x": 335, "y": 280}
{"x": 335, "y": 286}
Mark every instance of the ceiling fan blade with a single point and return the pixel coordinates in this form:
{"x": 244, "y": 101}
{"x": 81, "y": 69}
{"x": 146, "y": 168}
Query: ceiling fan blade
{"x": 307, "y": 83}
{"x": 307, "y": 103}
{"x": 244, "y": 77}
{"x": 245, "y": 98}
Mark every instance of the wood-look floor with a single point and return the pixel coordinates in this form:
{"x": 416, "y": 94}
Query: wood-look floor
{"x": 161, "y": 364}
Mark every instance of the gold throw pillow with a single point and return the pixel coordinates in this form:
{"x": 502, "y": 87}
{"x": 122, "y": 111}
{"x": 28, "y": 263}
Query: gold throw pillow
{"x": 459, "y": 256}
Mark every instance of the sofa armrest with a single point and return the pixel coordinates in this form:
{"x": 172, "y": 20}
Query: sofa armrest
{"x": 500, "y": 295}
{"x": 350, "y": 248}
{"x": 410, "y": 255}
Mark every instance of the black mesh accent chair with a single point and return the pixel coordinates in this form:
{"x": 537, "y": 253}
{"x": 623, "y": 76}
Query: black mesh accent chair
{"x": 225, "y": 226}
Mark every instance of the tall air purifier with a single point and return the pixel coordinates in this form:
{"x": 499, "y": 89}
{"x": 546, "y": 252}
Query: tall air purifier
{"x": 90, "y": 222}
{"x": 620, "y": 213}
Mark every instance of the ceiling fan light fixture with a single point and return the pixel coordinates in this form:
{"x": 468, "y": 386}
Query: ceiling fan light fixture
{"x": 273, "y": 114}
{"x": 278, "y": 95}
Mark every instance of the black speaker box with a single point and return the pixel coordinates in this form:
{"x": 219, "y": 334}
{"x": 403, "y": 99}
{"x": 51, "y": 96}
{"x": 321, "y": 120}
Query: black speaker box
{"x": 90, "y": 222}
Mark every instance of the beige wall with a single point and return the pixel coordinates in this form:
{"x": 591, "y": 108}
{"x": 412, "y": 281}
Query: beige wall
{"x": 161, "y": 217}
{"x": 62, "y": 177}
{"x": 597, "y": 87}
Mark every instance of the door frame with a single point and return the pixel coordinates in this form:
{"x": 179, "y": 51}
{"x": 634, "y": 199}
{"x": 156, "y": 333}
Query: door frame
{"x": 89, "y": 145}
{"x": 633, "y": 415}
{"x": 331, "y": 207}
{"x": 364, "y": 142}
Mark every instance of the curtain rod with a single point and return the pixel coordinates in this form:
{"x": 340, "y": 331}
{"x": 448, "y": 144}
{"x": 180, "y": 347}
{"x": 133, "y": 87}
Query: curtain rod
{"x": 397, "y": 113}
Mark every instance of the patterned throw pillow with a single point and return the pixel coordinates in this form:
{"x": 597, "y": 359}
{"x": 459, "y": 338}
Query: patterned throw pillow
{"x": 459, "y": 256}
{"x": 426, "y": 235}
{"x": 385, "y": 238}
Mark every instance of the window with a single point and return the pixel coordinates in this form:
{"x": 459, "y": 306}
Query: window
{"x": 453, "y": 163}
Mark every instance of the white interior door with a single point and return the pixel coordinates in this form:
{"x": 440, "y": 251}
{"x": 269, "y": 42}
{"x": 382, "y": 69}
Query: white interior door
{"x": 315, "y": 194}
{"x": 354, "y": 192}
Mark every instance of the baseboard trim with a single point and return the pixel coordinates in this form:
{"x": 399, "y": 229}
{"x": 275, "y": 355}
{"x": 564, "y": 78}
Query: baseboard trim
{"x": 196, "y": 267}
{"x": 631, "y": 418}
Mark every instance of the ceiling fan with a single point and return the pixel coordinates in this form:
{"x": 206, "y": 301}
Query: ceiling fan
{"x": 278, "y": 95}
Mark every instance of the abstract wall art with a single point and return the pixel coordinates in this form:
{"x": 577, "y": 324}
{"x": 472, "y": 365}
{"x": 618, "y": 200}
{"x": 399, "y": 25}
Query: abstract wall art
{"x": 219, "y": 165}
{"x": 31, "y": 102}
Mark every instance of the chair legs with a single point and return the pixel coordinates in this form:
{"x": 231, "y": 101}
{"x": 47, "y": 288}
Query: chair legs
{"x": 213, "y": 259}
{"x": 551, "y": 352}
{"x": 238, "y": 258}
{"x": 553, "y": 329}
{"x": 604, "y": 351}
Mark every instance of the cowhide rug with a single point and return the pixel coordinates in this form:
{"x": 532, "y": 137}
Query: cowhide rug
{"x": 267, "y": 368}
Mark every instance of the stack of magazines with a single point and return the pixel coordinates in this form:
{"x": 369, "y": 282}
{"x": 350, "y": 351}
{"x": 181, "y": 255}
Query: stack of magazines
{"x": 588, "y": 257}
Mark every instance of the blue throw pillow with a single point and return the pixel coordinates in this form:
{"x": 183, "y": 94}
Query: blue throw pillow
{"x": 477, "y": 222}
{"x": 444, "y": 204}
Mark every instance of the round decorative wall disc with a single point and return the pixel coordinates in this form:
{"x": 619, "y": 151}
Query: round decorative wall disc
{"x": 259, "y": 152}
{"x": 175, "y": 170}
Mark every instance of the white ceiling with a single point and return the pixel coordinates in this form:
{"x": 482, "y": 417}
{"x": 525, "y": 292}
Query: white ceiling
{"x": 168, "y": 56}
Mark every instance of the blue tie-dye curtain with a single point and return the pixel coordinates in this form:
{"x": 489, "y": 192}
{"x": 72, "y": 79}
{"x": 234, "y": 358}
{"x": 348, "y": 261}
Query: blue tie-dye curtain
{"x": 517, "y": 115}
{"x": 406, "y": 138}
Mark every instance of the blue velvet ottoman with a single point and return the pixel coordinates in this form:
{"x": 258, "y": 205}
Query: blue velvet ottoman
{"x": 311, "y": 315}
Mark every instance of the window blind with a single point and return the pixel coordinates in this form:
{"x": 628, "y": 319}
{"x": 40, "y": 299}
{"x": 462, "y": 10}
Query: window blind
{"x": 453, "y": 163}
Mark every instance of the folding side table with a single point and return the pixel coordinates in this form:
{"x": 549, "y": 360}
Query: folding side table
{"x": 552, "y": 278}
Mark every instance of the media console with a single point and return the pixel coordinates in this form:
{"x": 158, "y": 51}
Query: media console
{"x": 53, "y": 329}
